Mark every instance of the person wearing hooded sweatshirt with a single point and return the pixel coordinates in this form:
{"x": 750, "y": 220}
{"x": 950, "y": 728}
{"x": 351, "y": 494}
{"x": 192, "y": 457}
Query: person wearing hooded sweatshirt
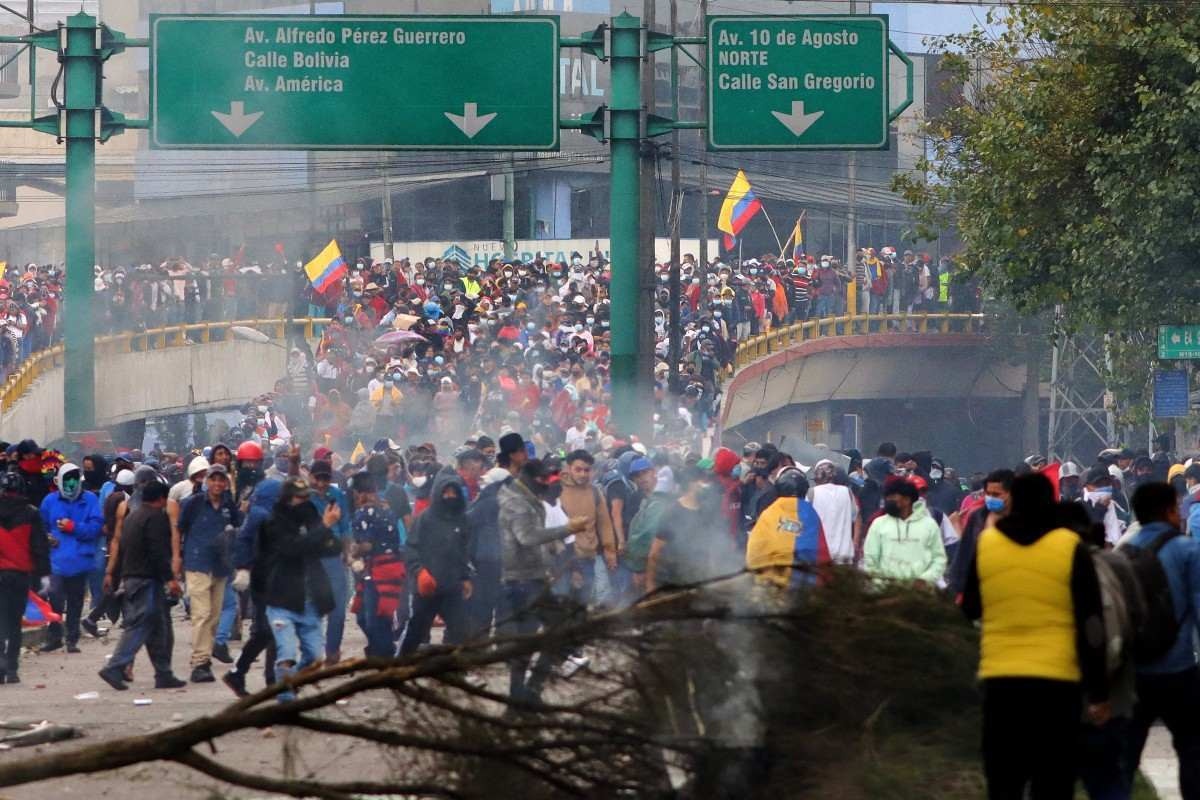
{"x": 724, "y": 461}
{"x": 438, "y": 557}
{"x": 789, "y": 533}
{"x": 486, "y": 552}
{"x": 72, "y": 518}
{"x": 24, "y": 564}
{"x": 527, "y": 567}
{"x": 1042, "y": 645}
{"x": 295, "y": 586}
{"x": 904, "y": 543}
{"x": 250, "y": 574}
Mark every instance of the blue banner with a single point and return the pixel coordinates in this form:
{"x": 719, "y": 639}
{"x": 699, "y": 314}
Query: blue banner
{"x": 1171, "y": 393}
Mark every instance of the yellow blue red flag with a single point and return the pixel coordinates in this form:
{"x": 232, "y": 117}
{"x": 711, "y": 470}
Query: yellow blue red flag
{"x": 327, "y": 268}
{"x": 741, "y": 204}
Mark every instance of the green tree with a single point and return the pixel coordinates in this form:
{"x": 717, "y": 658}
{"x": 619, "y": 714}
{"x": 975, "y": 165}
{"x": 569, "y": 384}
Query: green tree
{"x": 1072, "y": 168}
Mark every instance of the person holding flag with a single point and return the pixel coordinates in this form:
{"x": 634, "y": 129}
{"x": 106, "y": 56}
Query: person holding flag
{"x": 740, "y": 206}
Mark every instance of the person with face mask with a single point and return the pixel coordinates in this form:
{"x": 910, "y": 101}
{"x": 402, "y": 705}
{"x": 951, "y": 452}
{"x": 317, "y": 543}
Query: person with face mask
{"x": 997, "y": 489}
{"x": 249, "y": 471}
{"x": 110, "y": 605}
{"x": 73, "y": 521}
{"x": 904, "y": 543}
{"x": 438, "y": 556}
{"x": 1098, "y": 500}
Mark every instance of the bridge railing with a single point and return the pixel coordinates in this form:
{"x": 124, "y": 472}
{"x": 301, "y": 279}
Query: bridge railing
{"x": 38, "y": 364}
{"x": 778, "y": 339}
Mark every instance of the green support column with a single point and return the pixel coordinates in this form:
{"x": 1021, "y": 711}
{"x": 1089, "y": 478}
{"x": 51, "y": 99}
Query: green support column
{"x": 81, "y": 76}
{"x": 625, "y": 203}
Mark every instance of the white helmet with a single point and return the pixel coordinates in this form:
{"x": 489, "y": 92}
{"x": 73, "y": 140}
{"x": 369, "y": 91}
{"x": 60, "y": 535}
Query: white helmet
{"x": 197, "y": 464}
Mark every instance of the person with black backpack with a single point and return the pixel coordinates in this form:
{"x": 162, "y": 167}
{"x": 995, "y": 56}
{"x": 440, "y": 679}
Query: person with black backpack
{"x": 1168, "y": 681}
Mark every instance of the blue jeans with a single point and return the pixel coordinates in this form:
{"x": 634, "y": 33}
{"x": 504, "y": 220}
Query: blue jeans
{"x": 381, "y": 640}
{"x": 298, "y": 641}
{"x": 96, "y": 576}
{"x": 824, "y": 307}
{"x": 229, "y": 611}
{"x": 339, "y": 582}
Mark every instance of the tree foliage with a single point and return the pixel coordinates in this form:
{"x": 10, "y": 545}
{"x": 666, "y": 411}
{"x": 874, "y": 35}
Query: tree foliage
{"x": 1072, "y": 166}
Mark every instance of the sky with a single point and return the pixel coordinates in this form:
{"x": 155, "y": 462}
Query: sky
{"x": 911, "y": 23}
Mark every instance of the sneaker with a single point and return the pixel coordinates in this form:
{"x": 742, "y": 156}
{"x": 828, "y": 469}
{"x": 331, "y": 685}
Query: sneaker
{"x": 168, "y": 681}
{"x": 50, "y": 647}
{"x": 573, "y": 664}
{"x": 203, "y": 674}
{"x": 113, "y": 678}
{"x": 73, "y": 648}
{"x": 93, "y": 630}
{"x": 221, "y": 653}
{"x": 236, "y": 681}
{"x": 12, "y": 677}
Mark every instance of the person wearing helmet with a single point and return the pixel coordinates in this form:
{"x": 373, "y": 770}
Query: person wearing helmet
{"x": 249, "y": 471}
{"x": 788, "y": 533}
{"x": 24, "y": 564}
{"x": 193, "y": 482}
{"x": 72, "y": 516}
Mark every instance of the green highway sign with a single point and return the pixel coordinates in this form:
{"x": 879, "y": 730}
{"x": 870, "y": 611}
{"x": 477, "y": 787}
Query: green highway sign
{"x": 1178, "y": 341}
{"x": 354, "y": 82}
{"x": 798, "y": 83}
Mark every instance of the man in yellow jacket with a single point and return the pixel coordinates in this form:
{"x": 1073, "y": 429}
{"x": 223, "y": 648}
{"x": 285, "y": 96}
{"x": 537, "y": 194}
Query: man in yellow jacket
{"x": 1042, "y": 647}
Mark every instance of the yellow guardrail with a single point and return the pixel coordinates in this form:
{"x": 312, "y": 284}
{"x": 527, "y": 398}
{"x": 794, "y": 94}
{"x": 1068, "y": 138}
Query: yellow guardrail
{"x": 779, "y": 339}
{"x": 40, "y": 363}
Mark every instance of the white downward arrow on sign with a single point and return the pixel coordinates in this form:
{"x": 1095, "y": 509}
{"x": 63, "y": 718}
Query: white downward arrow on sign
{"x": 237, "y": 120}
{"x": 798, "y": 122}
{"x": 470, "y": 122}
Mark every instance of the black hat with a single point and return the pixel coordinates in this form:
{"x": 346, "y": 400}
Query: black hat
{"x": 511, "y": 443}
{"x": 1097, "y": 476}
{"x": 363, "y": 482}
{"x": 321, "y": 468}
{"x": 154, "y": 491}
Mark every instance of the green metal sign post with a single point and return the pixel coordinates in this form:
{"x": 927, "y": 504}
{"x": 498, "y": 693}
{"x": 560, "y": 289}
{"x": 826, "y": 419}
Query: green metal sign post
{"x": 798, "y": 83}
{"x": 348, "y": 82}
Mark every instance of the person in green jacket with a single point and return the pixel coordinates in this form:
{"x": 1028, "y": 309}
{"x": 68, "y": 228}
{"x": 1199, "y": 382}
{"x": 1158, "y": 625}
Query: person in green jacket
{"x": 905, "y": 542}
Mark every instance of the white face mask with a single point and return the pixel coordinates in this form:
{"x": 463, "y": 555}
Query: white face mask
{"x": 419, "y": 480}
{"x": 935, "y": 474}
{"x": 1101, "y": 498}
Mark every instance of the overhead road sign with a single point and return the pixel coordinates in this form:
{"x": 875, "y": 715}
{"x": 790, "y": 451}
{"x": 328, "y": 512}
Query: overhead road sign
{"x": 815, "y": 82}
{"x": 1178, "y": 342}
{"x": 354, "y": 82}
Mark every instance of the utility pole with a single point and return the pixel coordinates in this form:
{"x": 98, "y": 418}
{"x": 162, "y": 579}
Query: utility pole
{"x": 852, "y": 207}
{"x": 81, "y": 74}
{"x": 510, "y": 211}
{"x": 389, "y": 249}
{"x": 625, "y": 118}
{"x": 702, "y": 255}
{"x": 674, "y": 345}
{"x": 649, "y": 218}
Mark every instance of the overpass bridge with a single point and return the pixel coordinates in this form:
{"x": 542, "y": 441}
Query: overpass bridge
{"x": 162, "y": 371}
{"x": 927, "y": 381}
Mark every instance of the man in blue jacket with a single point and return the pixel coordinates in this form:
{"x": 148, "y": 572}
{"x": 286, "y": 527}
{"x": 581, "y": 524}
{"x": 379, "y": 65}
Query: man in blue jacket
{"x": 1169, "y": 688}
{"x": 73, "y": 522}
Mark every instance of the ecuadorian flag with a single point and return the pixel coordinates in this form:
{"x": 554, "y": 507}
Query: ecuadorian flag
{"x": 739, "y": 207}
{"x": 327, "y": 268}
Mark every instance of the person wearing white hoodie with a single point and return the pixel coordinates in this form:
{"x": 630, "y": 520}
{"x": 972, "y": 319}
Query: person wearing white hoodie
{"x": 904, "y": 543}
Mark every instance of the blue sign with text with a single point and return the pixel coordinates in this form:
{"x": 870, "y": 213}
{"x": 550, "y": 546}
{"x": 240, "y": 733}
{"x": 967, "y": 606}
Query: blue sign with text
{"x": 1170, "y": 393}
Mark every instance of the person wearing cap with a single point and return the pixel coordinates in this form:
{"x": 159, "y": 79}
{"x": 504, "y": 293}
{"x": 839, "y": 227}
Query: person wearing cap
{"x": 72, "y": 519}
{"x": 904, "y": 543}
{"x": 1069, "y": 487}
{"x": 24, "y": 566}
{"x": 295, "y": 587}
{"x": 1098, "y": 500}
{"x": 527, "y": 565}
{"x": 206, "y": 523}
{"x": 325, "y": 494}
{"x": 147, "y": 582}
{"x": 1189, "y": 504}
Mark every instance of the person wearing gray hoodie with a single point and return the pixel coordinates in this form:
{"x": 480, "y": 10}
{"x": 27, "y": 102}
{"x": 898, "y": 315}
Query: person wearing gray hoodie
{"x": 527, "y": 565}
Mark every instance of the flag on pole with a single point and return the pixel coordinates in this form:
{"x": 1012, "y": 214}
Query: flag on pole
{"x": 798, "y": 238}
{"x": 327, "y": 268}
{"x": 740, "y": 206}
{"x": 358, "y": 452}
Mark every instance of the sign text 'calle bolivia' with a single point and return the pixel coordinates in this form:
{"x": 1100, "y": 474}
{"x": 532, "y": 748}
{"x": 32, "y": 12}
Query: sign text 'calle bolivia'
{"x": 347, "y": 82}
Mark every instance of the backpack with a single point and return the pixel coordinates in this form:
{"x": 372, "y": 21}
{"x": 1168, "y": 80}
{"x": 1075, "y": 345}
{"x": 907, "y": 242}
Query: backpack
{"x": 1121, "y": 601}
{"x": 1157, "y": 626}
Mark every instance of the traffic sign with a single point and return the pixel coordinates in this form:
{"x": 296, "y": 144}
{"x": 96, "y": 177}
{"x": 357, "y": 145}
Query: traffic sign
{"x": 798, "y": 83}
{"x": 1178, "y": 341}
{"x": 1171, "y": 393}
{"x": 354, "y": 82}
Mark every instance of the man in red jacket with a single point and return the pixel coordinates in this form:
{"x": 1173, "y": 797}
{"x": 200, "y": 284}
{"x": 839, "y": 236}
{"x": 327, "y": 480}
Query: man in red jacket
{"x": 24, "y": 563}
